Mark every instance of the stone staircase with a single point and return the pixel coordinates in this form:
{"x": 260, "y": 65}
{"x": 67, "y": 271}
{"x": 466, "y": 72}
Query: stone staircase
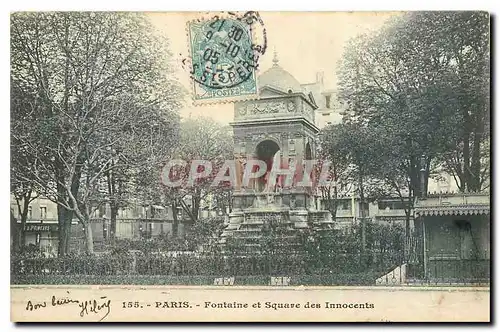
{"x": 395, "y": 277}
{"x": 247, "y": 228}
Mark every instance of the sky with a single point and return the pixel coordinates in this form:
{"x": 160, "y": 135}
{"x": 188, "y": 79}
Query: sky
{"x": 305, "y": 42}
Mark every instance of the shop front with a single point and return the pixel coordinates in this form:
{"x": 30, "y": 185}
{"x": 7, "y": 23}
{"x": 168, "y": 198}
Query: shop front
{"x": 42, "y": 235}
{"x": 456, "y": 240}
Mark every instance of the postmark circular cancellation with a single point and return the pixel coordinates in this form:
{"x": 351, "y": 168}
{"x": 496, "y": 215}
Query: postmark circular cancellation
{"x": 225, "y": 51}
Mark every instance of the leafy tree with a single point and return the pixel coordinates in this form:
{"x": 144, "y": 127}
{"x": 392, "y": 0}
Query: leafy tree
{"x": 423, "y": 79}
{"x": 21, "y": 187}
{"x": 332, "y": 154}
{"x": 204, "y": 139}
{"x": 353, "y": 149}
{"x": 198, "y": 139}
{"x": 419, "y": 86}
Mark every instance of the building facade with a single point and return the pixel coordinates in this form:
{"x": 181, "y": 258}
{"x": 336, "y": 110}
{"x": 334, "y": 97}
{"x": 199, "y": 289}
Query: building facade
{"x": 42, "y": 230}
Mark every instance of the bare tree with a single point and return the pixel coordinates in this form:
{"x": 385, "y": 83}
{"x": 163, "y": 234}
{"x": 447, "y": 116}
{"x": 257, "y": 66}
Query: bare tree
{"x": 97, "y": 79}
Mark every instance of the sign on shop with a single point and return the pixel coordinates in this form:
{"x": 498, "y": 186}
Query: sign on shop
{"x": 40, "y": 228}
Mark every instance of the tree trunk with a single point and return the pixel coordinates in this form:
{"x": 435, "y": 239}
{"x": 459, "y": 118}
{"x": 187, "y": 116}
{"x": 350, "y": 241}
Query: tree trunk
{"x": 113, "y": 204}
{"x": 407, "y": 233}
{"x": 333, "y": 209}
{"x": 426, "y": 176}
{"x": 14, "y": 233}
{"x": 195, "y": 209}
{"x": 189, "y": 210}
{"x": 24, "y": 217}
{"x": 64, "y": 215}
{"x": 62, "y": 247}
{"x": 362, "y": 213}
{"x": 65, "y": 218}
{"x": 75, "y": 186}
{"x": 112, "y": 224}
{"x": 84, "y": 217}
{"x": 331, "y": 203}
{"x": 61, "y": 220}
{"x": 335, "y": 202}
{"x": 175, "y": 224}
{"x": 67, "y": 232}
{"x": 475, "y": 181}
{"x": 466, "y": 150}
{"x": 89, "y": 240}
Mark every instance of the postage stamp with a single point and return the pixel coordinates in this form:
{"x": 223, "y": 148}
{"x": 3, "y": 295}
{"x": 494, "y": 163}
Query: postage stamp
{"x": 224, "y": 57}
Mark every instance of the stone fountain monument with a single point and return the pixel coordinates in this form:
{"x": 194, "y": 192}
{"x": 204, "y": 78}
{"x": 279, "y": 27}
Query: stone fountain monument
{"x": 278, "y": 127}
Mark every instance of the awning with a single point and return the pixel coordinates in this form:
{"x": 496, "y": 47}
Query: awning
{"x": 453, "y": 210}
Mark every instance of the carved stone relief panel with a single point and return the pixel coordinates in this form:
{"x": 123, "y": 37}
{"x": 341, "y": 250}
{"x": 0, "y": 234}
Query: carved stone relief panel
{"x": 255, "y": 108}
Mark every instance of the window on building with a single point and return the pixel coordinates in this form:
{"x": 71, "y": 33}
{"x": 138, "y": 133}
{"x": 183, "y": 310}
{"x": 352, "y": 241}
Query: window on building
{"x": 326, "y": 114}
{"x": 345, "y": 204}
{"x": 383, "y": 205}
{"x": 30, "y": 213}
{"x": 399, "y": 205}
{"x": 123, "y": 213}
{"x": 388, "y": 205}
{"x": 327, "y": 101}
{"x": 43, "y": 212}
{"x": 329, "y": 123}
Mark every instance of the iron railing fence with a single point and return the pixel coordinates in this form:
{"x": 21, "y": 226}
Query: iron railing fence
{"x": 457, "y": 266}
{"x": 193, "y": 264}
{"x": 203, "y": 269}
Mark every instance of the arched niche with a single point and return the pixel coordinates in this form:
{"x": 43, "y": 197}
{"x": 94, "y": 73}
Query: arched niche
{"x": 268, "y": 151}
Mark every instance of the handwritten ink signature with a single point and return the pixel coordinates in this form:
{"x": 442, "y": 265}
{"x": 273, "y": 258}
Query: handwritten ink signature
{"x": 62, "y": 301}
{"x": 30, "y": 306}
{"x": 87, "y": 307}
{"x": 93, "y": 307}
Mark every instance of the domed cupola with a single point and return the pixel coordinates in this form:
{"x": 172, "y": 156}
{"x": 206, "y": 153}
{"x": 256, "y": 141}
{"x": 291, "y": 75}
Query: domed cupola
{"x": 279, "y": 79}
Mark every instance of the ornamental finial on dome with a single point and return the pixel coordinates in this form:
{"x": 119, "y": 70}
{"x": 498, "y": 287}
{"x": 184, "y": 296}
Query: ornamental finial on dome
{"x": 275, "y": 58}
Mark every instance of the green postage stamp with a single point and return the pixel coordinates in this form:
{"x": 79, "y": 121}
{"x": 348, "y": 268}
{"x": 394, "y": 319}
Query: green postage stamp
{"x": 225, "y": 57}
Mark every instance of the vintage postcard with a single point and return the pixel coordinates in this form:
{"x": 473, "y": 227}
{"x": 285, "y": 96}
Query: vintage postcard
{"x": 250, "y": 166}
